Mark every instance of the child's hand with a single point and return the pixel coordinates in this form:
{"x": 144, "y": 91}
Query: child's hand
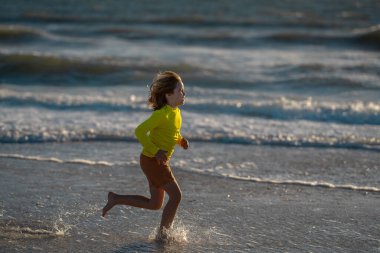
{"x": 161, "y": 157}
{"x": 184, "y": 143}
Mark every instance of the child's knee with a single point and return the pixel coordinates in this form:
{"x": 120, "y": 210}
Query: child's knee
{"x": 177, "y": 196}
{"x": 155, "y": 204}
{"x": 174, "y": 192}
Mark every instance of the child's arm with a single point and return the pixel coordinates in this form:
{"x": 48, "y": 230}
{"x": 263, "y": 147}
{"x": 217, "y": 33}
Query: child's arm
{"x": 184, "y": 143}
{"x": 161, "y": 156}
{"x": 144, "y": 128}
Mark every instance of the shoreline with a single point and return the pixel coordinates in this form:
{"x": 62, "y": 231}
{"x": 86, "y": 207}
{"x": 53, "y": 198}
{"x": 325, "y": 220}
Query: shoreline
{"x": 58, "y": 206}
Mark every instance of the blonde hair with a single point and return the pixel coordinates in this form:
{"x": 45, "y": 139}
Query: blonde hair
{"x": 164, "y": 83}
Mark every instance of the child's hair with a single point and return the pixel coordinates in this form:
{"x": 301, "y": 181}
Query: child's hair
{"x": 164, "y": 83}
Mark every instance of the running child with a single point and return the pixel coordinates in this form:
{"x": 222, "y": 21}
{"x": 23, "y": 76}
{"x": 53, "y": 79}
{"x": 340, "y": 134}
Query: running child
{"x": 158, "y": 135}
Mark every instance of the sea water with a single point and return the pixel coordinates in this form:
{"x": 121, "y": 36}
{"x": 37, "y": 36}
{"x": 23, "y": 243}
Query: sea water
{"x": 297, "y": 75}
{"x": 300, "y": 77}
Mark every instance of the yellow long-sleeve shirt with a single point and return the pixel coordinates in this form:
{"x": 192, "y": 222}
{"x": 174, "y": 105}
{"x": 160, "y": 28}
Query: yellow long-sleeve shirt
{"x": 160, "y": 131}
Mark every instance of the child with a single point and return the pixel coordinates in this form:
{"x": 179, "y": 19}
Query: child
{"x": 158, "y": 136}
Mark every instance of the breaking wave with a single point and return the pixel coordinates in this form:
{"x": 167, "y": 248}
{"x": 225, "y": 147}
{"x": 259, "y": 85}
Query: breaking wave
{"x": 287, "y": 140}
{"x": 355, "y": 113}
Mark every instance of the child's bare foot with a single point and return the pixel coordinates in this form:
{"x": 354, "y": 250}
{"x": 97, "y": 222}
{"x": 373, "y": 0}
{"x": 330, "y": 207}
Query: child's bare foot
{"x": 110, "y": 203}
{"x": 162, "y": 236}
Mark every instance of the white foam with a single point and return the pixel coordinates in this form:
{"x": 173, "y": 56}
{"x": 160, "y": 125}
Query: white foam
{"x": 56, "y": 160}
{"x": 305, "y": 183}
{"x": 239, "y": 172}
{"x": 61, "y": 115}
{"x": 251, "y": 104}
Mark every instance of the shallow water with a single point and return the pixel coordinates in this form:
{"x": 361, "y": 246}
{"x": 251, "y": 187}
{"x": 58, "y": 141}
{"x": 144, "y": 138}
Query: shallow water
{"x": 50, "y": 206}
{"x": 331, "y": 168}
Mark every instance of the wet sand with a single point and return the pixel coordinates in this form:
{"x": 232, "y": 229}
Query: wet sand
{"x": 48, "y": 206}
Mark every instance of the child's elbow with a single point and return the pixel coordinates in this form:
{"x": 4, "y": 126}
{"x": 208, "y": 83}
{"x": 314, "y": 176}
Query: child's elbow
{"x": 137, "y": 132}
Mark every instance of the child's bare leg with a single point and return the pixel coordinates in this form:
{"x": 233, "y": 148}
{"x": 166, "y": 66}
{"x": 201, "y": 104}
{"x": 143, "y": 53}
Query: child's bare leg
{"x": 110, "y": 203}
{"x": 175, "y": 195}
{"x": 154, "y": 203}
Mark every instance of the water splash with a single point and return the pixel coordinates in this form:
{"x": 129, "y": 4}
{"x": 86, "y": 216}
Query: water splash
{"x": 178, "y": 234}
{"x": 19, "y": 228}
{"x": 34, "y": 230}
{"x": 19, "y": 232}
{"x": 60, "y": 228}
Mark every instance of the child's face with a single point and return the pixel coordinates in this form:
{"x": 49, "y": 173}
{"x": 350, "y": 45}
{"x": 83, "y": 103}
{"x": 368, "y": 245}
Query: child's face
{"x": 177, "y": 98}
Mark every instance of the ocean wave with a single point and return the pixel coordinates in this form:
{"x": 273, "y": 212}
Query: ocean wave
{"x": 233, "y": 137}
{"x": 221, "y": 32}
{"x": 354, "y": 113}
{"x": 194, "y": 18}
{"x": 36, "y": 63}
{"x": 287, "y": 109}
{"x": 369, "y": 35}
{"x": 228, "y": 37}
{"x": 72, "y": 102}
{"x": 188, "y": 36}
{"x": 23, "y": 34}
{"x": 59, "y": 69}
{"x": 20, "y": 33}
{"x": 365, "y": 37}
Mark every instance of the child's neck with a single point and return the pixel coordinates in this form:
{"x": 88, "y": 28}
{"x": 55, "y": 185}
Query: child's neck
{"x": 172, "y": 106}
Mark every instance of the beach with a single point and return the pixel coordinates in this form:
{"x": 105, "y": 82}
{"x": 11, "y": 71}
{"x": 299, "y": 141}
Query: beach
{"x": 55, "y": 206}
{"x": 282, "y": 113}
